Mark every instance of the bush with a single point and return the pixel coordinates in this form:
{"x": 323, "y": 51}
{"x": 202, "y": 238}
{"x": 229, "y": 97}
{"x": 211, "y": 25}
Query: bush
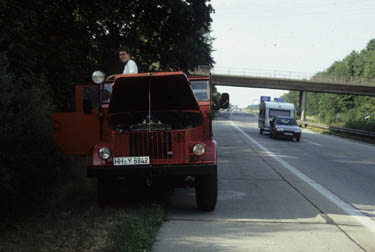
{"x": 361, "y": 125}
{"x": 30, "y": 161}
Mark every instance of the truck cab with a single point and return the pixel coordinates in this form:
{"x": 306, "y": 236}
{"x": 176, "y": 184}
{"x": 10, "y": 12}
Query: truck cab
{"x": 146, "y": 126}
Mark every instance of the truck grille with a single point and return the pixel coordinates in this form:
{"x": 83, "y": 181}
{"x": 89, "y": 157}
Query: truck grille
{"x": 160, "y": 146}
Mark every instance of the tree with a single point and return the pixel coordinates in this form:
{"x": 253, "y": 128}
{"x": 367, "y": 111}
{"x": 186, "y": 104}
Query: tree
{"x": 338, "y": 108}
{"x": 59, "y": 43}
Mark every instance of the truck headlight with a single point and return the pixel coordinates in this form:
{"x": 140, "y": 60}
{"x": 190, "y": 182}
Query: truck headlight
{"x": 199, "y": 149}
{"x": 98, "y": 77}
{"x": 297, "y": 131}
{"x": 104, "y": 153}
{"x": 279, "y": 129}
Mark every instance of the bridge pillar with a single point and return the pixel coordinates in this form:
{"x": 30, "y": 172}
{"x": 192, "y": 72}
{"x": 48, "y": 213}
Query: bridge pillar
{"x": 302, "y": 104}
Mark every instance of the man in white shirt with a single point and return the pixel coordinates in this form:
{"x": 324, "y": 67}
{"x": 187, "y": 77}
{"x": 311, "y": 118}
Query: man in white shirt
{"x": 130, "y": 66}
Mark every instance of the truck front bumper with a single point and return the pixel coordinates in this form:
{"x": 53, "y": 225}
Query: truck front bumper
{"x": 149, "y": 170}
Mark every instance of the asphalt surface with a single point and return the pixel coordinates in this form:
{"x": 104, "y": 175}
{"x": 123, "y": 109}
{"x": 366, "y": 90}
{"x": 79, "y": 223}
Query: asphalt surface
{"x": 278, "y": 195}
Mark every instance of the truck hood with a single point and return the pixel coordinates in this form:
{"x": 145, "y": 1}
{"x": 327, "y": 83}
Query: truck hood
{"x": 152, "y": 92}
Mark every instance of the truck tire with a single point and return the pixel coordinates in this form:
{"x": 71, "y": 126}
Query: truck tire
{"x": 206, "y": 192}
{"x": 260, "y": 131}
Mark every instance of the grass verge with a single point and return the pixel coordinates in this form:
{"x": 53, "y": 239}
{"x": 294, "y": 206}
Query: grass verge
{"x": 92, "y": 229}
{"x": 72, "y": 221}
{"x": 137, "y": 232}
{"x": 342, "y": 134}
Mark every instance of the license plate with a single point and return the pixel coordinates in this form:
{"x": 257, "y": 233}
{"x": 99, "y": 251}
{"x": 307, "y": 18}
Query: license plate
{"x": 288, "y": 134}
{"x": 131, "y": 160}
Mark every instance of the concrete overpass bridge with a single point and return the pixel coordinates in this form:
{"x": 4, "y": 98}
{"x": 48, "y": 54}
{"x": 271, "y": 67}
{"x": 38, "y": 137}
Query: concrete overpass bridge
{"x": 303, "y": 82}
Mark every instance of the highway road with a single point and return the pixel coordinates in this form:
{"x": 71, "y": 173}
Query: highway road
{"x": 279, "y": 195}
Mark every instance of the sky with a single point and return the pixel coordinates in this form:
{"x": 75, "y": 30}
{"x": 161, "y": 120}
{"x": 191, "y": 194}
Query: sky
{"x": 292, "y": 37}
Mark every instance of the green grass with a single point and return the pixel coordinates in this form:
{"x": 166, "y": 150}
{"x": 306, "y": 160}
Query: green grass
{"x": 342, "y": 134}
{"x": 138, "y": 231}
{"x": 361, "y": 125}
{"x": 92, "y": 229}
{"x": 72, "y": 221}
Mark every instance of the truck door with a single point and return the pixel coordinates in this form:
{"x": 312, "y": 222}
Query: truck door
{"x": 77, "y": 132}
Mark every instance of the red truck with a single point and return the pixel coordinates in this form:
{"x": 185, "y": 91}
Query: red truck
{"x": 149, "y": 126}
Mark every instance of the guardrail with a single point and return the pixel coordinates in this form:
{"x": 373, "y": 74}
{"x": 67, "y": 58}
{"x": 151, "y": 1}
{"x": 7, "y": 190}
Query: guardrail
{"x": 344, "y": 130}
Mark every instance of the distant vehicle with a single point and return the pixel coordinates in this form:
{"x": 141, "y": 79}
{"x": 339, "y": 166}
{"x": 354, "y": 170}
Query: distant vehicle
{"x": 268, "y": 110}
{"x": 285, "y": 127}
{"x": 367, "y": 116}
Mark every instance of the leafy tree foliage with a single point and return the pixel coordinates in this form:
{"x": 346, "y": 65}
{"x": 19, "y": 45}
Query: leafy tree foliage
{"x": 162, "y": 35}
{"x": 29, "y": 159}
{"x": 59, "y": 43}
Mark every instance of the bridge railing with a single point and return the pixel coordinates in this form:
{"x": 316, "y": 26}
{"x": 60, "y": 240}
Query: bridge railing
{"x": 280, "y": 74}
{"x": 262, "y": 73}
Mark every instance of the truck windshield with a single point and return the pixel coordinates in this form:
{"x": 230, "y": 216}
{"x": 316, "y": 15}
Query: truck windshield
{"x": 286, "y": 121}
{"x": 279, "y": 112}
{"x": 200, "y": 89}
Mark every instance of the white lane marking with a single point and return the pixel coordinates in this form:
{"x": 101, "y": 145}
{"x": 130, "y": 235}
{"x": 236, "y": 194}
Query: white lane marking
{"x": 225, "y": 195}
{"x": 355, "y": 213}
{"x": 311, "y": 142}
{"x": 355, "y": 162}
{"x": 230, "y": 195}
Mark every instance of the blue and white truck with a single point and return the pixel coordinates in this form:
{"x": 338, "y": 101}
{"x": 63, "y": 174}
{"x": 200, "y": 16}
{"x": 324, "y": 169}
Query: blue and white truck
{"x": 268, "y": 110}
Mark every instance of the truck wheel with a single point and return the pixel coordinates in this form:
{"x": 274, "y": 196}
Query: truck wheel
{"x": 297, "y": 139}
{"x": 260, "y": 131}
{"x": 206, "y": 192}
{"x": 271, "y": 134}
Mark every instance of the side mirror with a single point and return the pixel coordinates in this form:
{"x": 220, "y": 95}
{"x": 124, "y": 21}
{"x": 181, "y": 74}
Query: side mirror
{"x": 215, "y": 106}
{"x": 87, "y": 106}
{"x": 224, "y": 100}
